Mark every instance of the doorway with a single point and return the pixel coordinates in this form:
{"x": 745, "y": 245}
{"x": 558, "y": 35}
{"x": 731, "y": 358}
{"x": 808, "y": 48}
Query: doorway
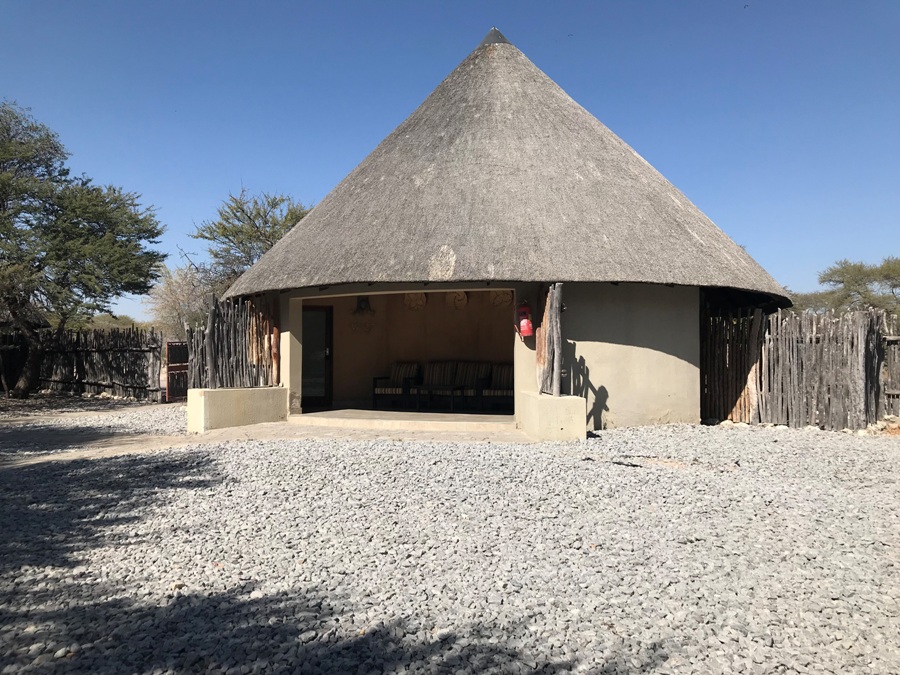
{"x": 318, "y": 347}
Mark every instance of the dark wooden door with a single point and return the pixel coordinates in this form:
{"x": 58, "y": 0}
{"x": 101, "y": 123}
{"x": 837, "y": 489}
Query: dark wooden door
{"x": 176, "y": 371}
{"x": 316, "y": 382}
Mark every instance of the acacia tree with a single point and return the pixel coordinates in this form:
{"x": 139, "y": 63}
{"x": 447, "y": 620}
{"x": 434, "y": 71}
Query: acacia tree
{"x": 247, "y": 226}
{"x": 69, "y": 247}
{"x": 855, "y": 285}
{"x": 887, "y": 279}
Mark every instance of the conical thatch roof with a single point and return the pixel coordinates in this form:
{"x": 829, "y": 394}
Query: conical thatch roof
{"x": 499, "y": 175}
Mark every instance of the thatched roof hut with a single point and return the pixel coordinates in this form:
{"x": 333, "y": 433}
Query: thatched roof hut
{"x": 500, "y": 176}
{"x": 436, "y": 255}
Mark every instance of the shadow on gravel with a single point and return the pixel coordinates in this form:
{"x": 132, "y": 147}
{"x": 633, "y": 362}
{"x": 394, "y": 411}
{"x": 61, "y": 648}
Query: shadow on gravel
{"x": 281, "y": 633}
{"x": 74, "y": 620}
{"x": 56, "y": 404}
{"x": 51, "y": 512}
{"x": 17, "y": 441}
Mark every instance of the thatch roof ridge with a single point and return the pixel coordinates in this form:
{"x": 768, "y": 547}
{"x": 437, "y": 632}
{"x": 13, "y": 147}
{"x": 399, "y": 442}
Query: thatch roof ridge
{"x": 500, "y": 176}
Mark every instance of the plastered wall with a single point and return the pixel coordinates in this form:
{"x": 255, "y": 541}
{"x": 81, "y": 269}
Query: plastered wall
{"x": 291, "y": 348}
{"x": 633, "y": 351}
{"x": 209, "y": 409}
{"x": 525, "y": 355}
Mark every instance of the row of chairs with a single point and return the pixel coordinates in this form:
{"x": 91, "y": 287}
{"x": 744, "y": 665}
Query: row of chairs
{"x": 453, "y": 385}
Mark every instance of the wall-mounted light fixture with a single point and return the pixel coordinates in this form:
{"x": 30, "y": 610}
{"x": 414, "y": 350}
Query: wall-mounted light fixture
{"x": 363, "y": 306}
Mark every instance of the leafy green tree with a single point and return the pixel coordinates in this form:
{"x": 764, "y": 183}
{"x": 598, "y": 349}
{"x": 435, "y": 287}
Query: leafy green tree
{"x": 69, "y": 247}
{"x": 850, "y": 284}
{"x": 817, "y": 301}
{"x": 855, "y": 285}
{"x": 247, "y": 226}
{"x": 887, "y": 277}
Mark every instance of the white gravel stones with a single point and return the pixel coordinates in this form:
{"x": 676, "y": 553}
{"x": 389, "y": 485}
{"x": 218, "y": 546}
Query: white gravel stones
{"x": 45, "y": 403}
{"x": 155, "y": 420}
{"x": 64, "y": 433}
{"x": 665, "y": 550}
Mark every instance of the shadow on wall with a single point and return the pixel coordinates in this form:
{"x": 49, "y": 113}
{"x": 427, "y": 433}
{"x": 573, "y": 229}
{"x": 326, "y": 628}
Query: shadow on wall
{"x": 642, "y": 316}
{"x": 637, "y": 344}
{"x": 580, "y": 385}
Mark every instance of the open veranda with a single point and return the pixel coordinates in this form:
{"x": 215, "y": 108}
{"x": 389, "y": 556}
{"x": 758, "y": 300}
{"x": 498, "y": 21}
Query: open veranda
{"x": 674, "y": 549}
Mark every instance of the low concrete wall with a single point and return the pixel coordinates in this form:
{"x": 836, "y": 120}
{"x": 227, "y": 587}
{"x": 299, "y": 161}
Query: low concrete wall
{"x": 210, "y": 409}
{"x": 552, "y": 418}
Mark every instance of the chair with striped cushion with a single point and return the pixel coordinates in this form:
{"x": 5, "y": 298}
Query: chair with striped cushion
{"x": 473, "y": 377}
{"x": 501, "y": 390}
{"x": 395, "y": 387}
{"x": 438, "y": 379}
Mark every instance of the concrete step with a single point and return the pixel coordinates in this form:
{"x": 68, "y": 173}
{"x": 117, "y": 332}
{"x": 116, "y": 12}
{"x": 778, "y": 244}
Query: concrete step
{"x": 406, "y": 421}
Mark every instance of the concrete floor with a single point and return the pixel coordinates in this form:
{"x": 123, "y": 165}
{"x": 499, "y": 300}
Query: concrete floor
{"x": 406, "y": 421}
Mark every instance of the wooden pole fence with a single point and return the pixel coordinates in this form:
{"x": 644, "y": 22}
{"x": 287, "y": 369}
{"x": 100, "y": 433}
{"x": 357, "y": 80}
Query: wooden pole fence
{"x": 238, "y": 347}
{"x": 826, "y": 370}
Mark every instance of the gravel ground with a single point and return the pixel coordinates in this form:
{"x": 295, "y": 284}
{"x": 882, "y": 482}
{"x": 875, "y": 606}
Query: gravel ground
{"x": 66, "y": 433}
{"x": 156, "y": 420}
{"x": 668, "y": 550}
{"x": 51, "y": 404}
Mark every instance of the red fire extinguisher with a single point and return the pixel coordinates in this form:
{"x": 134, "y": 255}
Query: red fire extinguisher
{"x": 524, "y": 325}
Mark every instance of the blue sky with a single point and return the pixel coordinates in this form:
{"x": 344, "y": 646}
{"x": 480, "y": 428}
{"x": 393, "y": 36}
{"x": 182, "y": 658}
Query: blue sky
{"x": 779, "y": 119}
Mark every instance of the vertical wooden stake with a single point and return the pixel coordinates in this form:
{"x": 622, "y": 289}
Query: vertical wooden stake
{"x": 557, "y": 339}
{"x": 211, "y": 355}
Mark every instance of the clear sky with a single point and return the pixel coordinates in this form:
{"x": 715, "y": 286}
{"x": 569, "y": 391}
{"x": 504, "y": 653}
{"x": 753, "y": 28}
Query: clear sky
{"x": 779, "y": 119}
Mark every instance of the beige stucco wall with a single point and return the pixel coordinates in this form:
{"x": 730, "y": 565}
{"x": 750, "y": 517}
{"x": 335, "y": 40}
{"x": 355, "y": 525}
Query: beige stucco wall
{"x": 209, "y": 409}
{"x": 551, "y": 418}
{"x": 633, "y": 351}
{"x": 524, "y": 350}
{"x": 365, "y": 345}
{"x": 291, "y": 348}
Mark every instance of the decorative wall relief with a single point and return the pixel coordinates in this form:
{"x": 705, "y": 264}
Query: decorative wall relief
{"x": 414, "y": 301}
{"x": 501, "y": 298}
{"x": 457, "y": 299}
